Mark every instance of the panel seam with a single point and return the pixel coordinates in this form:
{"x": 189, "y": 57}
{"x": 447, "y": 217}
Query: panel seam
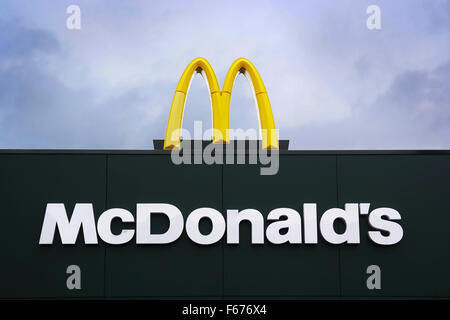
{"x": 106, "y": 206}
{"x": 339, "y": 248}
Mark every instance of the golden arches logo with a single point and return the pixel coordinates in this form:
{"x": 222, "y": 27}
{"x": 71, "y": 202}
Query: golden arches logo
{"x": 220, "y": 101}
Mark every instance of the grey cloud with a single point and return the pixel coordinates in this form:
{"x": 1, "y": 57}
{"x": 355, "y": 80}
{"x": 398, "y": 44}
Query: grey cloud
{"x": 17, "y": 41}
{"x": 39, "y": 111}
{"x": 419, "y": 103}
{"x": 414, "y": 113}
{"x": 333, "y": 84}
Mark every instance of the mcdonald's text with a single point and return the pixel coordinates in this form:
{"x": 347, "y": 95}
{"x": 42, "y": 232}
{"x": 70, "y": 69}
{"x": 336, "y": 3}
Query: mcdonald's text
{"x": 284, "y": 225}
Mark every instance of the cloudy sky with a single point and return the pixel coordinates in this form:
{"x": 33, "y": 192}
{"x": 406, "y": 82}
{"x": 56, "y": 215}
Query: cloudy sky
{"x": 332, "y": 83}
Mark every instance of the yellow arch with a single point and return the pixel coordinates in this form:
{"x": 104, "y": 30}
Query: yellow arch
{"x": 220, "y": 101}
{"x": 172, "y": 139}
{"x": 267, "y": 124}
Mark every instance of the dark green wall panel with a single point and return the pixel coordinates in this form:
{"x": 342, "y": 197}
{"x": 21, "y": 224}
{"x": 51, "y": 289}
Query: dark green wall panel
{"x": 178, "y": 269}
{"x": 281, "y": 270}
{"x": 418, "y": 186}
{"x": 27, "y": 184}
